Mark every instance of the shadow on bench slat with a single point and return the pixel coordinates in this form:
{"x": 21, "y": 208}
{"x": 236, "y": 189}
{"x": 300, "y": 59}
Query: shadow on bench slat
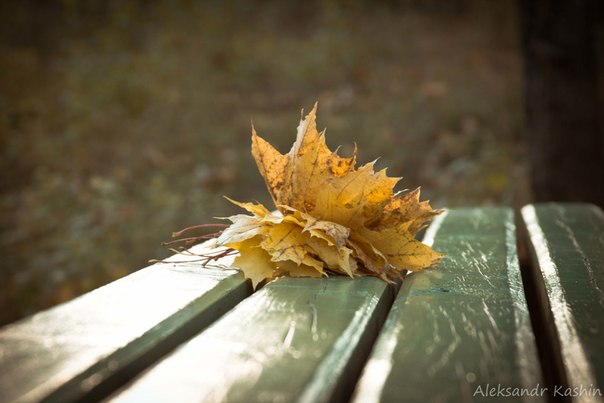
{"x": 85, "y": 348}
{"x": 459, "y": 330}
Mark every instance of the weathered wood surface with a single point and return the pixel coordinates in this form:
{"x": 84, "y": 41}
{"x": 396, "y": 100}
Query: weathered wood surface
{"x": 87, "y": 347}
{"x": 567, "y": 247}
{"x": 461, "y": 326}
{"x": 297, "y": 339}
{"x": 457, "y": 333}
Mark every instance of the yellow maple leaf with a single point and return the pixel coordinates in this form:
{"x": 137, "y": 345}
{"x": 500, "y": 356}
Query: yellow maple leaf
{"x": 331, "y": 217}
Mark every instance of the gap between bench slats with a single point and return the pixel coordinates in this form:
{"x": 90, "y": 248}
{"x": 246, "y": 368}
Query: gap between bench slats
{"x": 460, "y": 329}
{"x": 567, "y": 249}
{"x": 297, "y": 339}
{"x": 84, "y": 349}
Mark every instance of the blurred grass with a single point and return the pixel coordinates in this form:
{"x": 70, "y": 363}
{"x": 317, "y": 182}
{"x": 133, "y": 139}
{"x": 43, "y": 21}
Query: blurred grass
{"x": 123, "y": 121}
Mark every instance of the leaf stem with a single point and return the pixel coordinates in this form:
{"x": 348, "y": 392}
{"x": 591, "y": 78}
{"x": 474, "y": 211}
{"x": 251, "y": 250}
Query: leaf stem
{"x": 182, "y": 231}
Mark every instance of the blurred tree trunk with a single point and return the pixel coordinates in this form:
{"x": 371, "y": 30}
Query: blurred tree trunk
{"x": 561, "y": 77}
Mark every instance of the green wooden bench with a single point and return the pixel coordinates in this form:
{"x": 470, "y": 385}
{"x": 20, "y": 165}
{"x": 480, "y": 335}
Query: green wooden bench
{"x": 567, "y": 252}
{"x": 87, "y": 347}
{"x": 462, "y": 332}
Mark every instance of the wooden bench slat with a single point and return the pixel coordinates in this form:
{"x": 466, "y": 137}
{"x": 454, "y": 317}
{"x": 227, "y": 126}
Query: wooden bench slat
{"x": 296, "y": 339}
{"x": 88, "y": 346}
{"x": 461, "y": 326}
{"x": 567, "y": 248}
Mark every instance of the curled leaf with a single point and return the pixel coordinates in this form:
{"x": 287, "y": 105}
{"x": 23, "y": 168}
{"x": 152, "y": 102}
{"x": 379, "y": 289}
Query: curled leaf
{"x": 330, "y": 217}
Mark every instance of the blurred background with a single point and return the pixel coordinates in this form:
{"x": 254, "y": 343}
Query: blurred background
{"x": 121, "y": 121}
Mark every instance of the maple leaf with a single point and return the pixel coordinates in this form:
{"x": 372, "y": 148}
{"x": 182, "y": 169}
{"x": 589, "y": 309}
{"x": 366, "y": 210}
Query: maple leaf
{"x": 330, "y": 217}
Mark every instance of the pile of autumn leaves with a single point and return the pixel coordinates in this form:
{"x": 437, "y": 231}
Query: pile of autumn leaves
{"x": 331, "y": 216}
